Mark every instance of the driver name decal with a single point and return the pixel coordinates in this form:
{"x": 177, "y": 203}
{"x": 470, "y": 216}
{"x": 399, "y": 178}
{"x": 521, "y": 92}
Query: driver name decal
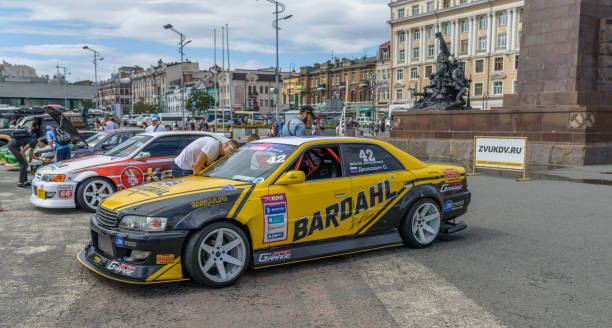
{"x": 275, "y": 218}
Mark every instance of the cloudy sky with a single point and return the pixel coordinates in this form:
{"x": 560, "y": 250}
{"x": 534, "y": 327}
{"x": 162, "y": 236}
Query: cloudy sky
{"x": 43, "y": 33}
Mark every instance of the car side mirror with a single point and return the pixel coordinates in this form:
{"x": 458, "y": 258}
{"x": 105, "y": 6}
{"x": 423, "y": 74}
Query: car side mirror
{"x": 291, "y": 177}
{"x": 106, "y": 147}
{"x": 143, "y": 155}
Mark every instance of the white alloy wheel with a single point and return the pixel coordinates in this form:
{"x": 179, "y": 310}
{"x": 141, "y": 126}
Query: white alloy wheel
{"x": 93, "y": 191}
{"x": 426, "y": 223}
{"x": 222, "y": 255}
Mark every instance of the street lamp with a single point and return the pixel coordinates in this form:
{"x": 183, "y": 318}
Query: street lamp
{"x": 65, "y": 83}
{"x": 276, "y": 29}
{"x": 97, "y": 57}
{"x": 182, "y": 44}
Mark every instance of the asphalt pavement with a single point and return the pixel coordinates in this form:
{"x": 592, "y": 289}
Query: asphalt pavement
{"x": 535, "y": 254}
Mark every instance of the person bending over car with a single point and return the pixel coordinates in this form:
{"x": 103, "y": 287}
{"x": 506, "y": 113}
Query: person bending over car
{"x": 19, "y": 146}
{"x": 201, "y": 152}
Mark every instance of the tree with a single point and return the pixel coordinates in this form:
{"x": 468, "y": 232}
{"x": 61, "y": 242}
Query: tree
{"x": 87, "y": 103}
{"x": 141, "y": 108}
{"x": 202, "y": 99}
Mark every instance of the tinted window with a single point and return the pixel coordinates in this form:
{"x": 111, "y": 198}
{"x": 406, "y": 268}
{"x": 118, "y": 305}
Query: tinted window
{"x": 189, "y": 139}
{"x": 363, "y": 159}
{"x": 165, "y": 146}
{"x": 319, "y": 163}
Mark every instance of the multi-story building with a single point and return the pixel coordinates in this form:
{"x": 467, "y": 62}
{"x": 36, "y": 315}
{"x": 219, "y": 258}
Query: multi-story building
{"x": 202, "y": 81}
{"x": 115, "y": 91}
{"x": 291, "y": 91}
{"x": 383, "y": 77}
{"x": 151, "y": 85}
{"x": 339, "y": 79}
{"x": 249, "y": 89}
{"x": 483, "y": 34}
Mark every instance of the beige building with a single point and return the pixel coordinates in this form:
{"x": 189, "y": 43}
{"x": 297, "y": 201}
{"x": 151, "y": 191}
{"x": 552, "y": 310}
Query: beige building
{"x": 251, "y": 90}
{"x": 484, "y": 34}
{"x": 151, "y": 85}
{"x": 291, "y": 91}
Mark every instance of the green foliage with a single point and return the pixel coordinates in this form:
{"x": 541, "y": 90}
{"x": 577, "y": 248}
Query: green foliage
{"x": 141, "y": 108}
{"x": 87, "y": 103}
{"x": 203, "y": 101}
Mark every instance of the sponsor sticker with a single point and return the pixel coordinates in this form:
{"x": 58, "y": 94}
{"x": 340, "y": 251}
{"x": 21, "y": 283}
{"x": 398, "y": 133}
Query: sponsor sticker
{"x": 131, "y": 177}
{"x": 229, "y": 187}
{"x": 275, "y": 218}
{"x": 164, "y": 258}
{"x": 451, "y": 174}
{"x": 274, "y": 256}
{"x": 119, "y": 241}
{"x": 209, "y": 202}
{"x": 450, "y": 187}
{"x": 97, "y": 259}
{"x": 120, "y": 268}
{"x": 448, "y": 205}
{"x": 64, "y": 191}
{"x": 451, "y": 206}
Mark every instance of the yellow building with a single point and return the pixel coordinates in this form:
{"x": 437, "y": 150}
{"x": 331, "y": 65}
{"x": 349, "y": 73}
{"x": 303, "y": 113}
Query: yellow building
{"x": 291, "y": 91}
{"x": 484, "y": 34}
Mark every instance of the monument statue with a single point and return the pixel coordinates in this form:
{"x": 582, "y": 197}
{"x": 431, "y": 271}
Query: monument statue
{"x": 448, "y": 84}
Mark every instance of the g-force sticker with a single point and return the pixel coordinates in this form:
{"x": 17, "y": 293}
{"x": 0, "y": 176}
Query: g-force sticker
{"x": 276, "y": 220}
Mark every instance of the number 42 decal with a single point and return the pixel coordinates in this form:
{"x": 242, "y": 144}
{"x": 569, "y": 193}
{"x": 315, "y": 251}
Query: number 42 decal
{"x": 367, "y": 155}
{"x": 276, "y": 159}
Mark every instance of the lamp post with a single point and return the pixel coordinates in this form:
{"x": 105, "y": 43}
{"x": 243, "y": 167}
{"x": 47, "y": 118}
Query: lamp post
{"x": 65, "y": 83}
{"x": 182, "y": 44}
{"x": 97, "y": 57}
{"x": 280, "y": 7}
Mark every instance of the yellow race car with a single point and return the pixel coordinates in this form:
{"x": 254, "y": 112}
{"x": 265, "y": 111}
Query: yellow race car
{"x": 272, "y": 202}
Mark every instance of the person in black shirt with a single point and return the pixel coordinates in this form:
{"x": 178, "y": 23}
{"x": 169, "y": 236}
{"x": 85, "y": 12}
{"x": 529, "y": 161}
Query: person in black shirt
{"x": 19, "y": 148}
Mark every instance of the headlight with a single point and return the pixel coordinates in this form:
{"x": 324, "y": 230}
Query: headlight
{"x": 54, "y": 177}
{"x": 143, "y": 223}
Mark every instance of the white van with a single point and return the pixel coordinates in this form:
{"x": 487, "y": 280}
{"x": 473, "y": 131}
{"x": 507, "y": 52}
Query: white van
{"x": 363, "y": 121}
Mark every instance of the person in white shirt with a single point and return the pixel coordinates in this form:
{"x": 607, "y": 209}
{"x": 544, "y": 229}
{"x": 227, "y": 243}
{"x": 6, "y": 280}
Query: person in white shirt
{"x": 201, "y": 152}
{"x": 155, "y": 126}
{"x": 110, "y": 124}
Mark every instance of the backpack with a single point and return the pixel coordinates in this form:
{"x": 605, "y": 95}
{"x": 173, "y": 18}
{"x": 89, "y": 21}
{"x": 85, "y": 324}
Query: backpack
{"x": 62, "y": 137}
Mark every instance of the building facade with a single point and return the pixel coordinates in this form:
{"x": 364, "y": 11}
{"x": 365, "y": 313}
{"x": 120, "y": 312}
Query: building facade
{"x": 383, "y": 77}
{"x": 291, "y": 91}
{"x": 483, "y": 34}
{"x": 115, "y": 91}
{"x": 251, "y": 90}
{"x": 151, "y": 85}
{"x": 339, "y": 79}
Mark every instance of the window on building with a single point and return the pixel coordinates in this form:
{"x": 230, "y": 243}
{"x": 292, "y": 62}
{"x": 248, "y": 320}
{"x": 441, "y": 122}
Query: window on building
{"x": 499, "y": 64}
{"x": 400, "y": 74}
{"x": 261, "y": 89}
{"x": 501, "y": 40}
{"x": 464, "y": 47}
{"x": 414, "y": 73}
{"x": 446, "y": 3}
{"x": 516, "y": 62}
{"x": 353, "y": 77}
{"x": 415, "y": 10}
{"x": 465, "y": 26}
{"x": 432, "y": 32}
{"x": 345, "y": 77}
{"x": 398, "y": 94}
{"x": 503, "y": 19}
{"x": 479, "y": 66}
{"x": 462, "y": 1}
{"x": 416, "y": 51}
{"x": 402, "y": 37}
{"x": 431, "y": 50}
{"x": 498, "y": 88}
{"x": 482, "y": 22}
{"x": 400, "y": 13}
{"x": 430, "y": 6}
{"x": 478, "y": 89}
{"x": 428, "y": 70}
{"x": 482, "y": 43}
{"x": 323, "y": 79}
{"x": 447, "y": 28}
{"x": 513, "y": 86}
{"x": 402, "y": 55}
{"x": 521, "y": 15}
{"x": 416, "y": 35}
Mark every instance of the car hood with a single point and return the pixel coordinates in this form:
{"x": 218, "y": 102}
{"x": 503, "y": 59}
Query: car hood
{"x": 179, "y": 199}
{"x": 77, "y": 165}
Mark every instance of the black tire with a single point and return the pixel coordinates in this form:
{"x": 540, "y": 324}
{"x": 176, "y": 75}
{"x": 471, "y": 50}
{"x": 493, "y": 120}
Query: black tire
{"x": 85, "y": 201}
{"x": 425, "y": 233}
{"x": 195, "y": 260}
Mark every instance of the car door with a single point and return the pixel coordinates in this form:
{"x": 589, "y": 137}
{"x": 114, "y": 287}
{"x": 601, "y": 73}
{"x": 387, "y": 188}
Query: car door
{"x": 314, "y": 208}
{"x": 377, "y": 178}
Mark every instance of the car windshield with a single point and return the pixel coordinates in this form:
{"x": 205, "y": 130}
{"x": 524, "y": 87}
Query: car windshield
{"x": 251, "y": 163}
{"x": 129, "y": 146}
{"x": 95, "y": 138}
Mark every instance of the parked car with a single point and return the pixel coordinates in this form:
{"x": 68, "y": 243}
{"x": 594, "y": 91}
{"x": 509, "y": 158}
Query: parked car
{"x": 100, "y": 143}
{"x": 363, "y": 121}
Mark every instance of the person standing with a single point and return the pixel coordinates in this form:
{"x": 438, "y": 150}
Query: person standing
{"x": 19, "y": 146}
{"x": 13, "y": 123}
{"x": 110, "y": 124}
{"x": 201, "y": 152}
{"x": 62, "y": 152}
{"x": 297, "y": 126}
{"x": 155, "y": 126}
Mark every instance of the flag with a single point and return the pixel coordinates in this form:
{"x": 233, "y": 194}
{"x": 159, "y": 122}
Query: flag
{"x": 342, "y": 119}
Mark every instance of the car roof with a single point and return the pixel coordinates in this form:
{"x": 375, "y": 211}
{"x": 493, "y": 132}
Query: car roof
{"x": 124, "y": 130}
{"x": 169, "y": 133}
{"x": 298, "y": 141}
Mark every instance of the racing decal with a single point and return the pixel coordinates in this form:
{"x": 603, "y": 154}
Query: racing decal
{"x": 120, "y": 268}
{"x": 119, "y": 241}
{"x": 156, "y": 174}
{"x": 451, "y": 174}
{"x": 366, "y": 163}
{"x": 64, "y": 191}
{"x": 450, "y": 205}
{"x": 275, "y": 256}
{"x": 209, "y": 202}
{"x": 131, "y": 177}
{"x": 164, "y": 258}
{"x": 453, "y": 186}
{"x": 228, "y": 187}
{"x": 336, "y": 213}
{"x": 276, "y": 222}
{"x": 154, "y": 189}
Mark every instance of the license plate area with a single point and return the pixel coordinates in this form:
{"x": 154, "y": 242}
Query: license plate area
{"x": 40, "y": 193}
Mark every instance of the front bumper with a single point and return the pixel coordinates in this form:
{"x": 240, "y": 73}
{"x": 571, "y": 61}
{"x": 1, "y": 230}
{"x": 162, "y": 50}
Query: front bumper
{"x": 57, "y": 194}
{"x": 104, "y": 257}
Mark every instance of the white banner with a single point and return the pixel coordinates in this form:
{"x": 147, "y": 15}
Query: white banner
{"x": 500, "y": 152}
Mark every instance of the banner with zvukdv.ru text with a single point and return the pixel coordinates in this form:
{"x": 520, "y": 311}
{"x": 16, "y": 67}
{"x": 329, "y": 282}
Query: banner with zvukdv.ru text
{"x": 500, "y": 152}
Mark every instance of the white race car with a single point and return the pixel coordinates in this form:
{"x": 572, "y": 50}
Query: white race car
{"x": 87, "y": 181}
